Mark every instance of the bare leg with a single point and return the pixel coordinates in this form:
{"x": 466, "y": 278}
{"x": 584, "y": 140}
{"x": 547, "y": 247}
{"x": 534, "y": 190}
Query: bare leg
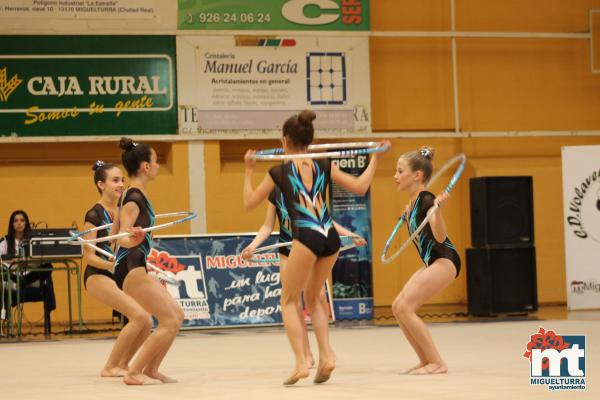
{"x": 327, "y": 311}
{"x": 306, "y": 344}
{"x": 428, "y": 283}
{"x": 294, "y": 278}
{"x": 152, "y": 369}
{"x": 407, "y": 334}
{"x": 319, "y": 318}
{"x": 157, "y": 302}
{"x": 106, "y": 291}
{"x": 135, "y": 346}
{"x": 310, "y": 361}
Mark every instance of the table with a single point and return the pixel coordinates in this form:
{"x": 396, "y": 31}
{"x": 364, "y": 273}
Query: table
{"x": 72, "y": 266}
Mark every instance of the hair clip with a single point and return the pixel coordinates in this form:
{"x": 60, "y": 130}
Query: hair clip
{"x": 426, "y": 153}
{"x": 100, "y": 163}
{"x": 134, "y": 144}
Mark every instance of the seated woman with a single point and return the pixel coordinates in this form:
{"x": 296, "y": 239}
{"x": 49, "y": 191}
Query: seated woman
{"x": 12, "y": 247}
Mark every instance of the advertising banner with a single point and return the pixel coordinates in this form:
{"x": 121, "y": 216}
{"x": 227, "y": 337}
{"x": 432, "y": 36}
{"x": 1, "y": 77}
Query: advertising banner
{"x": 332, "y": 15}
{"x": 217, "y": 287}
{"x": 352, "y": 273}
{"x": 581, "y": 205}
{"x": 79, "y": 9}
{"x": 253, "y": 84}
{"x": 87, "y": 85}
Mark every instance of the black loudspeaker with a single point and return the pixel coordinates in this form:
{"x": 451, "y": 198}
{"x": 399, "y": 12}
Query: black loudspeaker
{"x": 501, "y": 210}
{"x": 501, "y": 280}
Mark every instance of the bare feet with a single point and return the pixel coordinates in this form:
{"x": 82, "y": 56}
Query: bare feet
{"x": 324, "y": 371}
{"x": 139, "y": 379}
{"x": 115, "y": 372}
{"x": 409, "y": 370}
{"x": 296, "y": 376}
{"x": 430, "y": 369}
{"x": 161, "y": 377}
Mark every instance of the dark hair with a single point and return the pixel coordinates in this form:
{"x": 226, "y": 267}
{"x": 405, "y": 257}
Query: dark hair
{"x": 421, "y": 160}
{"x": 10, "y": 235}
{"x": 134, "y": 154}
{"x": 100, "y": 167}
{"x": 299, "y": 128}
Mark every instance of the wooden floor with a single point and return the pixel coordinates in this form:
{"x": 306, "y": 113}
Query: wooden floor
{"x": 484, "y": 357}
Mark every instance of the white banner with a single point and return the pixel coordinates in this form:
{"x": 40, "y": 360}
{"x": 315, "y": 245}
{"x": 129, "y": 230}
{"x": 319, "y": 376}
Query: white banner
{"x": 581, "y": 194}
{"x": 251, "y": 83}
{"x": 77, "y": 9}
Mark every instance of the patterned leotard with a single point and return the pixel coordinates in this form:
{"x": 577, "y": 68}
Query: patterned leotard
{"x": 429, "y": 248}
{"x": 99, "y": 216}
{"x": 312, "y": 224}
{"x": 285, "y": 223}
{"x": 128, "y": 259}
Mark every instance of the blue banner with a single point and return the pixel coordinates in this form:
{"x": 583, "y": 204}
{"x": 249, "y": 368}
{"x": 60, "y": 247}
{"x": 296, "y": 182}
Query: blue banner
{"x": 352, "y": 273}
{"x": 217, "y": 288}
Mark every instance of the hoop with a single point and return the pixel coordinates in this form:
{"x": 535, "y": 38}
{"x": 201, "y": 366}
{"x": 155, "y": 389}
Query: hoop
{"x": 76, "y": 235}
{"x": 188, "y": 216}
{"x": 356, "y": 148}
{"x": 459, "y": 170}
{"x": 286, "y": 244}
{"x": 166, "y": 276}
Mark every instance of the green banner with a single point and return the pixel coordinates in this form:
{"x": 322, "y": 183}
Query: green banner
{"x": 87, "y": 85}
{"x": 330, "y": 15}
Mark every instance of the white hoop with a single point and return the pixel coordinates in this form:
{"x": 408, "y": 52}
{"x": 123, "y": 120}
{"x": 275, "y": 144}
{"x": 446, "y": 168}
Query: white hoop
{"x": 76, "y": 235}
{"x": 189, "y": 215}
{"x": 356, "y": 148}
{"x": 166, "y": 276}
{"x": 463, "y": 159}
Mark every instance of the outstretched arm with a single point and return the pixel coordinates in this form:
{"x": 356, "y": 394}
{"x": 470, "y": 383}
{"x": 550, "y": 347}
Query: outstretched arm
{"x": 358, "y": 184}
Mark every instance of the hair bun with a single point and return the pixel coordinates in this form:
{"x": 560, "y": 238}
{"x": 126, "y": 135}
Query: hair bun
{"x": 98, "y": 164}
{"x": 306, "y": 117}
{"x": 427, "y": 152}
{"x": 127, "y": 144}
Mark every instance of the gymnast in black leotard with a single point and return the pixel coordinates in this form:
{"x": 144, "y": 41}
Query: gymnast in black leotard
{"x": 277, "y": 207}
{"x": 98, "y": 278}
{"x": 442, "y": 263}
{"x": 136, "y": 213}
{"x": 315, "y": 245}
{"x": 100, "y": 216}
{"x": 128, "y": 259}
{"x": 428, "y": 247}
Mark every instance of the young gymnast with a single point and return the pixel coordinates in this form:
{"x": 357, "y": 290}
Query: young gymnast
{"x": 315, "y": 245}
{"x": 98, "y": 278}
{"x": 136, "y": 212}
{"x": 442, "y": 263}
{"x": 276, "y": 208}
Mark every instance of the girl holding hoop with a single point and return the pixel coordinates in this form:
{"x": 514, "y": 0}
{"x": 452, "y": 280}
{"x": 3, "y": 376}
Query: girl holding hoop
{"x": 276, "y": 208}
{"x": 98, "y": 278}
{"x": 303, "y": 182}
{"x": 136, "y": 212}
{"x": 442, "y": 263}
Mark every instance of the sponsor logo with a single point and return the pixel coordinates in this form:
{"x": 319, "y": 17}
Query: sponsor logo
{"x": 556, "y": 361}
{"x": 7, "y": 86}
{"x": 580, "y": 287}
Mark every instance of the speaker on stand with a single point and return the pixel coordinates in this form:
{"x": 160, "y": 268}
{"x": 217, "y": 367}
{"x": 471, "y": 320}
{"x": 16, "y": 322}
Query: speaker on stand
{"x": 501, "y": 266}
